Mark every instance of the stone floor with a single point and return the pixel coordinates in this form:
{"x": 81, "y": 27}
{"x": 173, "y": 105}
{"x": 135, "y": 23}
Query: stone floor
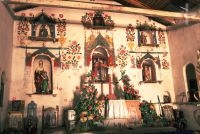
{"x": 152, "y": 130}
{"x": 56, "y": 131}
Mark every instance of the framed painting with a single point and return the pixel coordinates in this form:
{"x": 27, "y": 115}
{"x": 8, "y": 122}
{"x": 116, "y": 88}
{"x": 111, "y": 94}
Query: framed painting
{"x": 147, "y": 38}
{"x": 16, "y": 105}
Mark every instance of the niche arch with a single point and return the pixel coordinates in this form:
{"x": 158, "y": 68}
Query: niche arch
{"x": 43, "y": 74}
{"x": 191, "y": 81}
{"x": 49, "y": 61}
{"x": 149, "y": 66}
{"x": 102, "y": 51}
{"x": 2, "y": 87}
{"x": 100, "y": 64}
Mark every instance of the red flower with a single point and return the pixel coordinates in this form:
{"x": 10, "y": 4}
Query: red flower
{"x": 89, "y": 107}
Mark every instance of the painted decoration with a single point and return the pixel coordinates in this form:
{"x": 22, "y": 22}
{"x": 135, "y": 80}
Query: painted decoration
{"x": 42, "y": 27}
{"x": 138, "y": 62}
{"x": 42, "y": 51}
{"x": 133, "y": 62}
{"x": 97, "y": 20}
{"x": 99, "y": 43}
{"x": 122, "y": 56}
{"x": 87, "y": 19}
{"x": 130, "y": 36}
{"x": 145, "y": 26}
{"x": 157, "y": 61}
{"x": 61, "y": 30}
{"x": 161, "y": 37}
{"x": 165, "y": 64}
{"x": 22, "y": 30}
{"x": 71, "y": 55}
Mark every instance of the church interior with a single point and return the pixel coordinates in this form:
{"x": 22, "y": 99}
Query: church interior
{"x": 98, "y": 65}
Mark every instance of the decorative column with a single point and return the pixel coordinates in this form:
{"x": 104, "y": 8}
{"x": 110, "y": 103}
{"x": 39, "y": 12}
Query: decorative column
{"x": 111, "y": 95}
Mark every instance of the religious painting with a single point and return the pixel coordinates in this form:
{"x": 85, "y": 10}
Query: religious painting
{"x": 42, "y": 67}
{"x": 147, "y": 38}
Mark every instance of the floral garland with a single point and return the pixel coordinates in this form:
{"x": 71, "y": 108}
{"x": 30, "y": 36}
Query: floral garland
{"x": 130, "y": 93}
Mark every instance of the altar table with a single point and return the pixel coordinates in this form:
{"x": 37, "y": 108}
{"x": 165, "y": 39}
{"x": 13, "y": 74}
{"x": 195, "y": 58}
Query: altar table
{"x": 116, "y": 109}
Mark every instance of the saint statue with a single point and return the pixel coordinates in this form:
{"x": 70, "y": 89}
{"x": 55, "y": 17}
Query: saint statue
{"x": 43, "y": 31}
{"x": 147, "y": 73}
{"x": 100, "y": 70}
{"x": 41, "y": 79}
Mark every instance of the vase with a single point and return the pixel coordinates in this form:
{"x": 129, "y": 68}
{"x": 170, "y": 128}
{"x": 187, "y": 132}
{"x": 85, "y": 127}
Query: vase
{"x": 131, "y": 45}
{"x": 134, "y": 113}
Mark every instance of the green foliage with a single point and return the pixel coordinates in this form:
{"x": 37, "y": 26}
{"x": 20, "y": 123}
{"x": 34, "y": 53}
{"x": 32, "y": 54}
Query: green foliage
{"x": 130, "y": 93}
{"x": 88, "y": 109}
{"x": 149, "y": 115}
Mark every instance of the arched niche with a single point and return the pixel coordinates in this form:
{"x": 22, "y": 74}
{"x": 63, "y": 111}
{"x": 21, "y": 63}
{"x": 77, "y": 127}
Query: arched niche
{"x": 150, "y": 67}
{"x": 42, "y": 28}
{"x": 99, "y": 52}
{"x": 100, "y": 65}
{"x": 42, "y": 74}
{"x": 49, "y": 61}
{"x": 191, "y": 81}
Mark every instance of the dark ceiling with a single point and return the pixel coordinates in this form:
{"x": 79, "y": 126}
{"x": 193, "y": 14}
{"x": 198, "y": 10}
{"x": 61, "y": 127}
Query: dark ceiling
{"x": 181, "y": 6}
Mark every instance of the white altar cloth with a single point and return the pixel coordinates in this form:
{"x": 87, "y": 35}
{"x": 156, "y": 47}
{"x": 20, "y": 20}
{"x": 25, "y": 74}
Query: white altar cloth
{"x": 117, "y": 109}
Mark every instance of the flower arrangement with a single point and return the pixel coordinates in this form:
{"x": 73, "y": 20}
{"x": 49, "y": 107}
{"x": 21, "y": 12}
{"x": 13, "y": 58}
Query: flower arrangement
{"x": 130, "y": 93}
{"x": 88, "y": 109}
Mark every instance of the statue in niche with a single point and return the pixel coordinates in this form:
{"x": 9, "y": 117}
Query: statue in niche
{"x": 100, "y": 69}
{"x": 147, "y": 73}
{"x": 43, "y": 31}
{"x": 41, "y": 79}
